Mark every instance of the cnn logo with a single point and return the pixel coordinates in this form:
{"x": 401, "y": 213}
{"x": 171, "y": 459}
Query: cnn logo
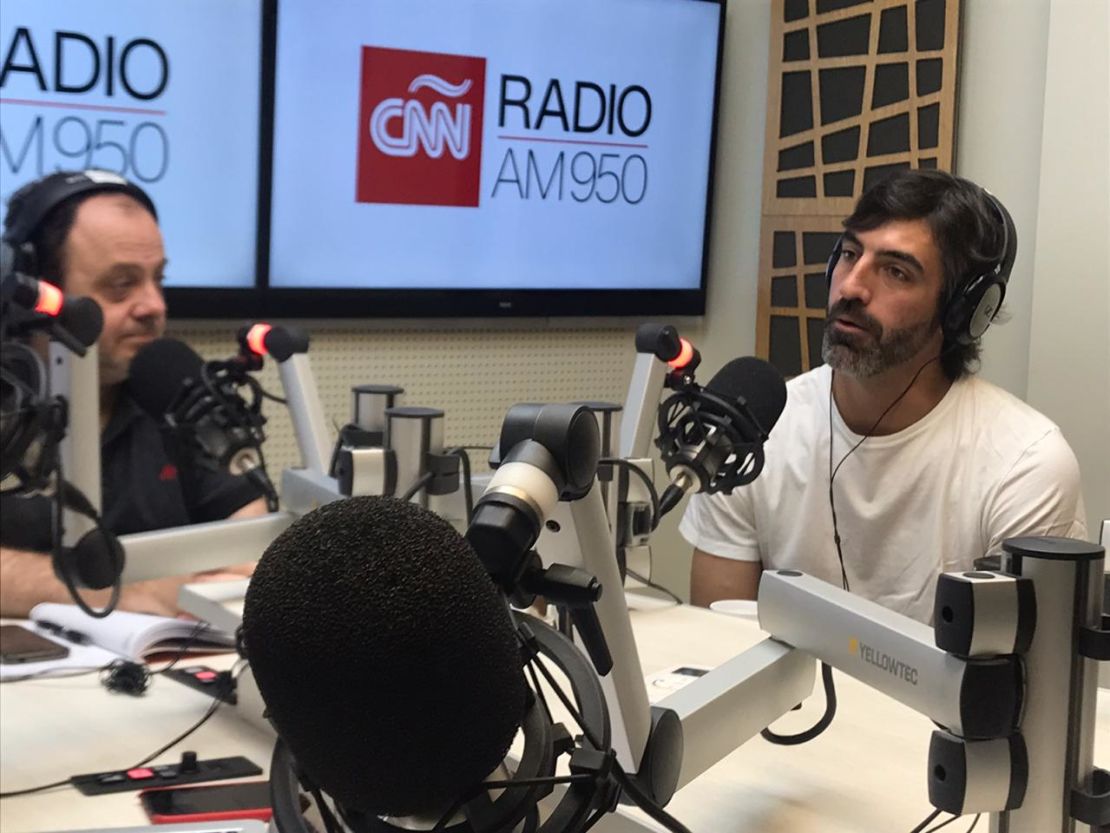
{"x": 420, "y": 127}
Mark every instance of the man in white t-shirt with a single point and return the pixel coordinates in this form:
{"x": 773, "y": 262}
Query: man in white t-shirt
{"x": 892, "y": 463}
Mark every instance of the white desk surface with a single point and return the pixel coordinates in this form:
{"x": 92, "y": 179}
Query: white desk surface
{"x": 865, "y": 773}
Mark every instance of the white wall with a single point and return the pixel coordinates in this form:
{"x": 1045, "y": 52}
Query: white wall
{"x": 1069, "y": 337}
{"x": 1000, "y": 110}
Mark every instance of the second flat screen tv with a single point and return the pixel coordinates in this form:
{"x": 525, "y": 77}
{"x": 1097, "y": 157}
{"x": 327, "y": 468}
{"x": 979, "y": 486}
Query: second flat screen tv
{"x": 548, "y": 157}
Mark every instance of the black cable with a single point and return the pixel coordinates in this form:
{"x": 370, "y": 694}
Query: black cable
{"x": 638, "y": 797}
{"x": 598, "y": 815}
{"x": 67, "y": 495}
{"x": 653, "y": 585}
{"x": 575, "y": 715}
{"x": 216, "y": 703}
{"x": 628, "y": 465}
{"x": 29, "y": 790}
{"x": 271, "y": 396}
{"x": 416, "y": 486}
{"x": 925, "y": 822}
{"x": 330, "y": 823}
{"x": 645, "y": 802}
{"x": 183, "y": 649}
{"x": 947, "y": 822}
{"x": 818, "y": 727}
{"x": 870, "y": 431}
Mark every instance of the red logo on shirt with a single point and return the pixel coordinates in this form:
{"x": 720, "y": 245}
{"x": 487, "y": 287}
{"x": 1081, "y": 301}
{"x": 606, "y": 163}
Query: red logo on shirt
{"x": 420, "y": 127}
{"x": 168, "y": 472}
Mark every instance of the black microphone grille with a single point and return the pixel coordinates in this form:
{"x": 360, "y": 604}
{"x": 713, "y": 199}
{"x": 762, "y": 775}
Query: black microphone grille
{"x": 386, "y": 657}
{"x": 84, "y": 318}
{"x": 758, "y": 382}
{"x": 158, "y": 373}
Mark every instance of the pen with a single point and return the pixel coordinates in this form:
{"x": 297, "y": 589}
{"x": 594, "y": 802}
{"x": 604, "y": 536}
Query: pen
{"x": 68, "y": 634}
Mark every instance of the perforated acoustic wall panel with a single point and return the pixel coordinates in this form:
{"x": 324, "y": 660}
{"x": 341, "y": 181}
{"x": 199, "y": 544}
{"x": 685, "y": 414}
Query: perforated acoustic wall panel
{"x": 858, "y": 89}
{"x": 475, "y": 376}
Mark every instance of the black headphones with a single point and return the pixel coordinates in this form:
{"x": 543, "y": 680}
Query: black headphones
{"x": 29, "y": 206}
{"x": 33, "y": 422}
{"x": 976, "y": 302}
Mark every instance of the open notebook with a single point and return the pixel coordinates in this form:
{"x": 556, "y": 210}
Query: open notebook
{"x": 94, "y": 643}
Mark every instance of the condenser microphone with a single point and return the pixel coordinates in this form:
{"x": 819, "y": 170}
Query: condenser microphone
{"x": 711, "y": 438}
{"x": 386, "y": 657}
{"x": 215, "y": 426}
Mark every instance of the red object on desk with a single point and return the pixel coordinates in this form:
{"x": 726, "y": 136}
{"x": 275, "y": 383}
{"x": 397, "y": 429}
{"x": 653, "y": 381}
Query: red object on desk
{"x": 208, "y": 802}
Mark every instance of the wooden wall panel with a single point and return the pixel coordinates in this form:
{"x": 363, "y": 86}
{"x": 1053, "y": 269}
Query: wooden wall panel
{"x": 857, "y": 89}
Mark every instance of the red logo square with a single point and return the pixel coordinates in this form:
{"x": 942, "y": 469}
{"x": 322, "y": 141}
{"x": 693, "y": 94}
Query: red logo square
{"x": 420, "y": 127}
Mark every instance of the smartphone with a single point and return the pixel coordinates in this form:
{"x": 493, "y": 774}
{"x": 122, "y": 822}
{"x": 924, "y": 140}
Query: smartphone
{"x": 208, "y": 802}
{"x": 17, "y": 644}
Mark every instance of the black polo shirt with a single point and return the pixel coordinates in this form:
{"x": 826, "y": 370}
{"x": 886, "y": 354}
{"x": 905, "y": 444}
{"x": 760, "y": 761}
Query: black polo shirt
{"x": 142, "y": 487}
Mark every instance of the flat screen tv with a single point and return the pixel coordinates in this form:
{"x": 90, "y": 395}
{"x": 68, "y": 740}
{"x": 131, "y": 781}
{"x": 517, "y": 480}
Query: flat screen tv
{"x": 384, "y": 158}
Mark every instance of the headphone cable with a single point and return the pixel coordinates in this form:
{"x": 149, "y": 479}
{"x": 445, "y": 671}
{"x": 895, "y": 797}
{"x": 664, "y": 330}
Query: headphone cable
{"x": 867, "y": 435}
{"x": 826, "y": 671}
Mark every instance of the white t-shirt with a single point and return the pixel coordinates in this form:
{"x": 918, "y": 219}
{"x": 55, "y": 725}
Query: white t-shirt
{"x": 979, "y": 468}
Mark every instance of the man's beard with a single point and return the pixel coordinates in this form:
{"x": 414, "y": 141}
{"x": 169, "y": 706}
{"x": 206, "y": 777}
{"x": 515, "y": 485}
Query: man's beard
{"x": 867, "y": 354}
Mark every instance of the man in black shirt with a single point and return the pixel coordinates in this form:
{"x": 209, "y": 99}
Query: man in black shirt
{"x": 97, "y": 235}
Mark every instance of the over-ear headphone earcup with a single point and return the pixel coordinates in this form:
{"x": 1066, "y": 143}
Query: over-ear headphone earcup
{"x": 970, "y": 313}
{"x": 95, "y": 561}
{"x": 973, "y": 308}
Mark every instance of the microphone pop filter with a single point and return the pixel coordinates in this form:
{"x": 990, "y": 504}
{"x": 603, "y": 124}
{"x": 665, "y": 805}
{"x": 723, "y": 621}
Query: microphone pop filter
{"x": 385, "y": 656}
{"x": 758, "y": 382}
{"x": 159, "y": 372}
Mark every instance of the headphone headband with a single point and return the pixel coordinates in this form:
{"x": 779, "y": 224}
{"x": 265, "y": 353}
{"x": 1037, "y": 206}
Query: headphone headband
{"x": 1009, "y": 238}
{"x": 28, "y": 207}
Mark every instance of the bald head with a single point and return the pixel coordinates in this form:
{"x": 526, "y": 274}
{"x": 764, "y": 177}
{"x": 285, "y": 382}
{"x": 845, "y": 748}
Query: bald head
{"x": 114, "y": 254}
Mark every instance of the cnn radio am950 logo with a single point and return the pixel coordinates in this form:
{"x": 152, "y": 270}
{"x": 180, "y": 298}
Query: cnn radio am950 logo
{"x": 584, "y": 141}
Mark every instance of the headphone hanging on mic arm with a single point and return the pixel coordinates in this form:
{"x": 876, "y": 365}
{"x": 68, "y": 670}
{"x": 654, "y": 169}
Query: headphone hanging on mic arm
{"x": 33, "y": 424}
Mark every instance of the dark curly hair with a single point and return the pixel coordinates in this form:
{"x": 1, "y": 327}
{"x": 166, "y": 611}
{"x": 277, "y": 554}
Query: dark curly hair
{"x": 965, "y": 225}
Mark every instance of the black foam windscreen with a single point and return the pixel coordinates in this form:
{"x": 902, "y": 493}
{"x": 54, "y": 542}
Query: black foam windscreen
{"x": 758, "y": 382}
{"x": 83, "y": 318}
{"x": 385, "y": 656}
{"x": 159, "y": 372}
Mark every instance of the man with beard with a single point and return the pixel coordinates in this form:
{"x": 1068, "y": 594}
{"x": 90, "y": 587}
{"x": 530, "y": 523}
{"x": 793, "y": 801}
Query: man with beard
{"x": 892, "y": 462}
{"x": 96, "y": 234}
